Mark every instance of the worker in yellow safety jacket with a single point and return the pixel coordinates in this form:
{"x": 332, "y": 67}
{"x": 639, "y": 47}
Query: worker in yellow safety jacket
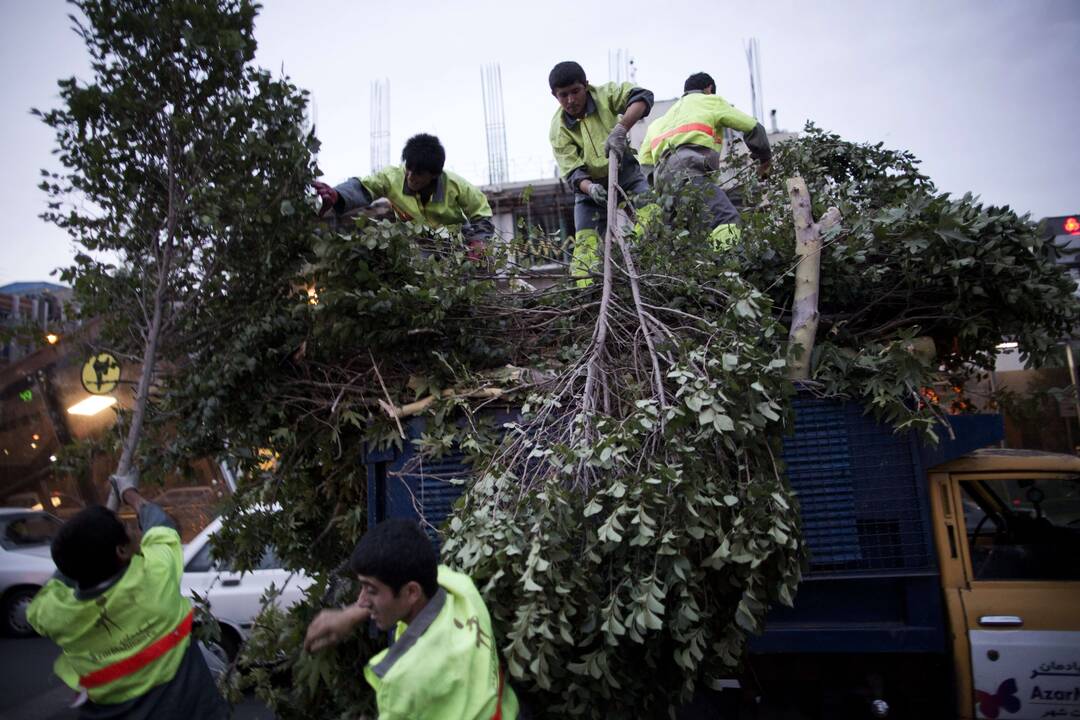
{"x": 585, "y": 129}
{"x": 421, "y": 191}
{"x": 684, "y": 145}
{"x": 443, "y": 663}
{"x": 123, "y": 628}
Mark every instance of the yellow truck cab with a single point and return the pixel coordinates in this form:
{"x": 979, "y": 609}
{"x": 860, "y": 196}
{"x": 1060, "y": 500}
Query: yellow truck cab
{"x": 1007, "y": 533}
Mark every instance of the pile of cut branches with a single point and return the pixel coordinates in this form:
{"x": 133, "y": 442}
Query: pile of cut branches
{"x": 632, "y": 526}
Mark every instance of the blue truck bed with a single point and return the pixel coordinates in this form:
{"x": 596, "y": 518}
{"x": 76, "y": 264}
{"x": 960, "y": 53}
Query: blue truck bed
{"x": 872, "y": 584}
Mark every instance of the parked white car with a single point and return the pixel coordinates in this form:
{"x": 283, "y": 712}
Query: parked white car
{"x": 25, "y": 564}
{"x": 234, "y": 597}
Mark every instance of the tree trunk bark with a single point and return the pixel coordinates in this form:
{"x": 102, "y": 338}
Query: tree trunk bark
{"x": 807, "y": 277}
{"x": 153, "y": 333}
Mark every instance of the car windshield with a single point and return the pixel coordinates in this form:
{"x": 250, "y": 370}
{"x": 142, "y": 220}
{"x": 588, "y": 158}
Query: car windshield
{"x": 1024, "y": 528}
{"x": 30, "y": 530}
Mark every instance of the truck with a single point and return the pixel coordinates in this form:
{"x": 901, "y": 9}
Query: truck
{"x": 943, "y": 579}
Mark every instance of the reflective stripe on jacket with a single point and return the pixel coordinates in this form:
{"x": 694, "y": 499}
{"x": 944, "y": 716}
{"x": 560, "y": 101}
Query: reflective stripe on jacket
{"x": 141, "y": 659}
{"x": 697, "y": 119}
{"x": 579, "y": 143}
{"x": 445, "y": 664}
{"x": 142, "y": 608}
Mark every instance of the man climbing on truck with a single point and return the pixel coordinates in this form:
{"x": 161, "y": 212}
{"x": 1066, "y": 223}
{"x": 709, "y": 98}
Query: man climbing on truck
{"x": 419, "y": 190}
{"x": 585, "y": 129}
{"x": 684, "y": 145}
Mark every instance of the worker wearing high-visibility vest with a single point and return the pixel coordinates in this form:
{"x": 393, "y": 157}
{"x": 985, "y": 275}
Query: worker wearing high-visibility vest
{"x": 123, "y": 628}
{"x": 684, "y": 145}
{"x": 444, "y": 663}
{"x": 585, "y": 129}
{"x": 420, "y": 190}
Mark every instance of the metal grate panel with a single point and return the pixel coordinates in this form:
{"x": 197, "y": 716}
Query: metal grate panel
{"x": 858, "y": 487}
{"x": 819, "y": 468}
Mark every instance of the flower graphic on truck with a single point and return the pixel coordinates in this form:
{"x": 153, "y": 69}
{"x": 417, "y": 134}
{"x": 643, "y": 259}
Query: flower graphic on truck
{"x": 990, "y": 706}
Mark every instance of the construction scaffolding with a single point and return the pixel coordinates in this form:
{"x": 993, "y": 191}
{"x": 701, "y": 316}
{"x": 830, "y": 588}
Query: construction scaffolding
{"x": 380, "y": 124}
{"x": 494, "y": 124}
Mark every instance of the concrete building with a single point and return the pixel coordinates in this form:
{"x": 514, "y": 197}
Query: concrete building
{"x": 30, "y": 305}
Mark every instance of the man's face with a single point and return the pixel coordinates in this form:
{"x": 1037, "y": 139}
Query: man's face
{"x": 385, "y": 607}
{"x": 418, "y": 180}
{"x": 573, "y": 99}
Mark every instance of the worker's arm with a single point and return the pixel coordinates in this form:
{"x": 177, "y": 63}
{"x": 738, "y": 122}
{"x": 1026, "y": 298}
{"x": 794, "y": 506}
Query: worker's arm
{"x": 477, "y": 212}
{"x": 353, "y": 194}
{"x": 757, "y": 140}
{"x": 150, "y": 514}
{"x": 580, "y": 180}
{"x": 162, "y": 553}
{"x": 332, "y": 626}
{"x": 357, "y": 194}
{"x": 634, "y": 103}
{"x": 634, "y": 112}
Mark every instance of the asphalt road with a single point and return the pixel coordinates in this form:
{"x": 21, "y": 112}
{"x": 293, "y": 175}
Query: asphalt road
{"x": 30, "y": 691}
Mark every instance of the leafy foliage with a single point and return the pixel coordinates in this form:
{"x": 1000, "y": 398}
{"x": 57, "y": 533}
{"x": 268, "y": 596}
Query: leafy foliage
{"x": 907, "y": 261}
{"x": 184, "y": 168}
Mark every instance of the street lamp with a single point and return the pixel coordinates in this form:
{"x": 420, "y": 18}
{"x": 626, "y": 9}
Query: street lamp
{"x": 92, "y": 405}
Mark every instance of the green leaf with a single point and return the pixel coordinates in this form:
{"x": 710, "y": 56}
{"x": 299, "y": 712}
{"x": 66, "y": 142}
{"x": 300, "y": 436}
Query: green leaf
{"x": 723, "y": 423}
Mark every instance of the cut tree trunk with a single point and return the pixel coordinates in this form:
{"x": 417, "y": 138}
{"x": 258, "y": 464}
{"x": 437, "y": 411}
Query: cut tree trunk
{"x": 807, "y": 277}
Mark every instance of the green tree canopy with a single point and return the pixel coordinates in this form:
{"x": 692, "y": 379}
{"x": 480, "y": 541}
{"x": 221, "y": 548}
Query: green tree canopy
{"x": 183, "y": 167}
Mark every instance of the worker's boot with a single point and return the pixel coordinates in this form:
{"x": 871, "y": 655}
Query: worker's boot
{"x": 724, "y": 236}
{"x": 586, "y": 258}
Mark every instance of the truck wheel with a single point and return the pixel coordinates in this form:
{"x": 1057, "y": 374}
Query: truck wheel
{"x": 14, "y": 619}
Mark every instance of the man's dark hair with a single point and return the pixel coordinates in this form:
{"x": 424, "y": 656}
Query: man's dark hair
{"x": 396, "y": 552}
{"x": 699, "y": 81}
{"x": 566, "y": 74}
{"x": 424, "y": 153}
{"x": 84, "y": 548}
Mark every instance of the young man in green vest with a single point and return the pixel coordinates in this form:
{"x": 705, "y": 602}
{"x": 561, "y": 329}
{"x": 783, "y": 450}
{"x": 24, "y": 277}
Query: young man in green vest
{"x": 421, "y": 191}
{"x": 684, "y": 144}
{"x": 116, "y": 611}
{"x": 443, "y": 664}
{"x": 585, "y": 129}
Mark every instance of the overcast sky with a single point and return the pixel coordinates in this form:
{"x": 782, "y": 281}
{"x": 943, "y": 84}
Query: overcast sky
{"x": 987, "y": 94}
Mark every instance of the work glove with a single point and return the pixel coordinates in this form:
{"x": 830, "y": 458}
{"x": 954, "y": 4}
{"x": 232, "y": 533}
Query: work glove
{"x": 328, "y": 197}
{"x": 122, "y": 483}
{"x": 598, "y": 193}
{"x": 616, "y": 141}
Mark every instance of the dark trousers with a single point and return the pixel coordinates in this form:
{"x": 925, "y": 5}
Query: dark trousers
{"x": 590, "y": 216}
{"x": 696, "y": 165}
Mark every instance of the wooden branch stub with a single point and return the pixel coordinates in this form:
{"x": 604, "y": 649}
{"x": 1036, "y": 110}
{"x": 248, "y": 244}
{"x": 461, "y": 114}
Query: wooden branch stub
{"x": 419, "y": 406}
